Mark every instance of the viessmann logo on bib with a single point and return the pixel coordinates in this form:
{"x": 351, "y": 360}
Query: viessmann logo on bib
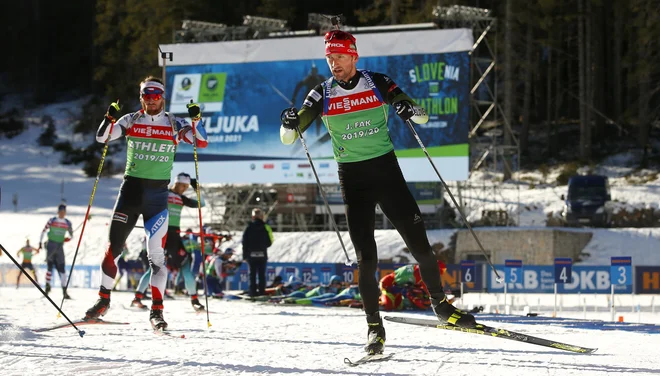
{"x": 176, "y": 200}
{"x": 355, "y": 102}
{"x": 148, "y": 131}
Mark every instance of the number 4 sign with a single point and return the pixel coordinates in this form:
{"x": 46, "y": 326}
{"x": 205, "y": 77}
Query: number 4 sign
{"x": 563, "y": 274}
{"x": 563, "y": 270}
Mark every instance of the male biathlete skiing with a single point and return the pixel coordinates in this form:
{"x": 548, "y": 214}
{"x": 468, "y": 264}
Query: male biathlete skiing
{"x": 369, "y": 172}
{"x": 152, "y": 136}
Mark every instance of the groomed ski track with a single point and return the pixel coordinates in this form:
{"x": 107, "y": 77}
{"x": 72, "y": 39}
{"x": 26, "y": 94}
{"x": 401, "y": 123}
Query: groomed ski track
{"x": 250, "y": 339}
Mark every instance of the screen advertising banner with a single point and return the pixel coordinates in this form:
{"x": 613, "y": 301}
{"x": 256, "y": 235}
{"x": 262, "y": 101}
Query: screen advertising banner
{"x": 243, "y": 87}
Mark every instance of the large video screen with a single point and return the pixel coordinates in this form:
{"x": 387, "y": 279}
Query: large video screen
{"x": 243, "y": 87}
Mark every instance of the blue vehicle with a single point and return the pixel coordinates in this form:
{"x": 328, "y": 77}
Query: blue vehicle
{"x": 586, "y": 202}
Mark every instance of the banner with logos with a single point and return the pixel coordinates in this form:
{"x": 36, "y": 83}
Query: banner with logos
{"x": 541, "y": 279}
{"x": 243, "y": 94}
{"x": 532, "y": 279}
{"x": 647, "y": 279}
{"x": 429, "y": 193}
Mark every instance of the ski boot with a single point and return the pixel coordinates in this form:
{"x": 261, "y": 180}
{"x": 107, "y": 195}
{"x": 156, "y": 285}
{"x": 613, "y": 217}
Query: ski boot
{"x": 197, "y": 306}
{"x": 47, "y": 289}
{"x": 156, "y": 317}
{"x": 137, "y": 301}
{"x": 375, "y": 334}
{"x": 64, "y": 294}
{"x": 100, "y": 308}
{"x": 452, "y": 315}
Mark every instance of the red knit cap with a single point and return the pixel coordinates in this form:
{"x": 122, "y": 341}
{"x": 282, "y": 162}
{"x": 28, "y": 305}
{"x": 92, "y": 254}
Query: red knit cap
{"x": 340, "y": 42}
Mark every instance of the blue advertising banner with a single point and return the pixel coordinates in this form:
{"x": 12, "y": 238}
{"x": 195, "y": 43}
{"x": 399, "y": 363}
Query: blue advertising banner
{"x": 429, "y": 193}
{"x": 242, "y": 101}
{"x": 540, "y": 279}
{"x": 533, "y": 279}
{"x": 647, "y": 279}
{"x": 313, "y": 274}
{"x": 451, "y": 278}
{"x": 83, "y": 276}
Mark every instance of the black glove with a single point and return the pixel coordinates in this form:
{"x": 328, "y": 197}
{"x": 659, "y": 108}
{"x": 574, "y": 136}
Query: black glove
{"x": 404, "y": 109}
{"x": 194, "y": 111}
{"x": 193, "y": 183}
{"x": 290, "y": 118}
{"x": 113, "y": 111}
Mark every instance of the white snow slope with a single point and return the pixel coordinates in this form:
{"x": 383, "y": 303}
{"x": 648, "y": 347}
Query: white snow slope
{"x": 253, "y": 339}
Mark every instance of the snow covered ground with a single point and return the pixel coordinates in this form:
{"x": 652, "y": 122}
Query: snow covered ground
{"x": 249, "y": 339}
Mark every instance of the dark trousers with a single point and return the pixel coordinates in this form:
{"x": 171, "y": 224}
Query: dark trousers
{"x": 139, "y": 197}
{"x": 174, "y": 249}
{"x": 26, "y": 265}
{"x": 55, "y": 256}
{"x": 257, "y": 269}
{"x": 380, "y": 181}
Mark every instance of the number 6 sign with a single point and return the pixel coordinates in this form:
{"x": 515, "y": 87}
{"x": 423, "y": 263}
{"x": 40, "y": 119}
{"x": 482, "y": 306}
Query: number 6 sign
{"x": 468, "y": 271}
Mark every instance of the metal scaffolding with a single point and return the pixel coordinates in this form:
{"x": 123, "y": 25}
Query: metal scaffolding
{"x": 487, "y": 120}
{"x": 253, "y": 27}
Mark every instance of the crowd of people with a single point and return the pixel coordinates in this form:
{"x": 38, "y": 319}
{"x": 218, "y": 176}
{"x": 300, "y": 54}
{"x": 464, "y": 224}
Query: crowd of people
{"x": 189, "y": 264}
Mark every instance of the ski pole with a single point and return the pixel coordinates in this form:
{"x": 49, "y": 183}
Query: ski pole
{"x": 80, "y": 332}
{"x": 199, "y": 209}
{"x": 89, "y": 206}
{"x": 481, "y": 247}
{"x": 89, "y": 218}
{"x": 325, "y": 200}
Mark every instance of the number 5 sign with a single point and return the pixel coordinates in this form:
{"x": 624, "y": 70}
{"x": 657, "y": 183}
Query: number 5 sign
{"x": 513, "y": 271}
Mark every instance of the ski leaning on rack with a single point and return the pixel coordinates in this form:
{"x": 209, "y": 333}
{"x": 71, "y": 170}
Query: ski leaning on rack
{"x": 78, "y": 323}
{"x": 368, "y": 359}
{"x": 494, "y": 332}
